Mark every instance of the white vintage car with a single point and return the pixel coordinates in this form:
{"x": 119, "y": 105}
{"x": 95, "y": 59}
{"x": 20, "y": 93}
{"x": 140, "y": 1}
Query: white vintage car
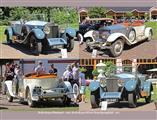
{"x": 114, "y": 37}
{"x": 34, "y": 88}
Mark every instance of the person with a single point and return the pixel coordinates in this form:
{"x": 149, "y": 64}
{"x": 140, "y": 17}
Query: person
{"x": 53, "y": 70}
{"x": 39, "y": 70}
{"x": 75, "y": 72}
{"x": 18, "y": 77}
{"x": 67, "y": 75}
{"x": 82, "y": 82}
{"x": 8, "y": 75}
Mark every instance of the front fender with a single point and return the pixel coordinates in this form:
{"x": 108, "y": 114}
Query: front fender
{"x": 147, "y": 87}
{"x": 147, "y": 30}
{"x": 9, "y": 30}
{"x": 69, "y": 87}
{"x": 39, "y": 34}
{"x": 70, "y": 31}
{"x": 114, "y": 36}
{"x": 89, "y": 34}
{"x": 130, "y": 85}
{"x": 94, "y": 85}
{"x": 9, "y": 86}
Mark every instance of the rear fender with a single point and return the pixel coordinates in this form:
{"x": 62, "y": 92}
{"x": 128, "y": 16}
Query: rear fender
{"x": 130, "y": 85}
{"x": 114, "y": 36}
{"x": 89, "y": 34}
{"x": 9, "y": 85}
{"x": 9, "y": 31}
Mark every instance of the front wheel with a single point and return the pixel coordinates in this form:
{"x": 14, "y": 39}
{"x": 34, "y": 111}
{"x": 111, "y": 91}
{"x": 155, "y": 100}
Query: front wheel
{"x": 66, "y": 101}
{"x": 36, "y": 47}
{"x": 88, "y": 48}
{"x": 70, "y": 45}
{"x": 132, "y": 100}
{"x": 94, "y": 99}
{"x": 9, "y": 97}
{"x": 150, "y": 36}
{"x": 75, "y": 91}
{"x": 117, "y": 48}
{"x": 30, "y": 102}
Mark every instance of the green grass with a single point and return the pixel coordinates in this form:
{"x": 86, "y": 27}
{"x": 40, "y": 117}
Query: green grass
{"x": 154, "y": 27}
{"x": 154, "y": 96}
{"x": 2, "y": 36}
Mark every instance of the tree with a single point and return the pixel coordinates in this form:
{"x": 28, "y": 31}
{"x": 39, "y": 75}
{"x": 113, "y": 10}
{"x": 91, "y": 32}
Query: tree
{"x": 129, "y": 14}
{"x": 97, "y": 12}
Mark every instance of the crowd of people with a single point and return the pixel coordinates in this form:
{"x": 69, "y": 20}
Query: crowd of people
{"x": 72, "y": 74}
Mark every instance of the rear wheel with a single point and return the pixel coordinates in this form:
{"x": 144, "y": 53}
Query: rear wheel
{"x": 94, "y": 99}
{"x": 36, "y": 47}
{"x": 132, "y": 100}
{"x": 117, "y": 48}
{"x": 9, "y": 97}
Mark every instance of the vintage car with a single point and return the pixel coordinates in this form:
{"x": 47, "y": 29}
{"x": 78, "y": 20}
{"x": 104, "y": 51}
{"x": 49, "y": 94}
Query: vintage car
{"x": 34, "y": 88}
{"x": 92, "y": 24}
{"x": 39, "y": 35}
{"x": 120, "y": 87}
{"x": 114, "y": 37}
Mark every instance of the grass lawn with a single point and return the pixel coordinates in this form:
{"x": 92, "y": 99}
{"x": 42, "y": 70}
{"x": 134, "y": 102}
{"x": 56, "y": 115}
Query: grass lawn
{"x": 154, "y": 96}
{"x": 2, "y": 36}
{"x": 154, "y": 27}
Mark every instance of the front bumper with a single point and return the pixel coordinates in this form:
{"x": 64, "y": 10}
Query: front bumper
{"x": 56, "y": 41}
{"x": 99, "y": 45}
{"x": 50, "y": 94}
{"x": 111, "y": 96}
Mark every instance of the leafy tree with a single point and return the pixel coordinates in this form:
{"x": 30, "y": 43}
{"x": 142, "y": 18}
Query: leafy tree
{"x": 129, "y": 14}
{"x": 97, "y": 12}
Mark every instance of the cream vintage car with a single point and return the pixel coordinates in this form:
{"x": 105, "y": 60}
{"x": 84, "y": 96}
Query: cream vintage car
{"x": 34, "y": 88}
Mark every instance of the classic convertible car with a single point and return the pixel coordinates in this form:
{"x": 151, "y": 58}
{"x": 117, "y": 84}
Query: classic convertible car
{"x": 34, "y": 88}
{"x": 92, "y": 24}
{"x": 114, "y": 37}
{"x": 121, "y": 87}
{"x": 39, "y": 35}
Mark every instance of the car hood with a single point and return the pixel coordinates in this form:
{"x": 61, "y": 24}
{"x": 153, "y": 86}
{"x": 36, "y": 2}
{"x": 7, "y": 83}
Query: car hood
{"x": 34, "y": 23}
{"x": 113, "y": 27}
{"x": 125, "y": 76}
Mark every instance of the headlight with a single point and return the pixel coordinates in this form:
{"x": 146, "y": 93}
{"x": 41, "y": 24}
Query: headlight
{"x": 95, "y": 34}
{"x": 120, "y": 83}
{"x": 46, "y": 29}
{"x": 102, "y": 82}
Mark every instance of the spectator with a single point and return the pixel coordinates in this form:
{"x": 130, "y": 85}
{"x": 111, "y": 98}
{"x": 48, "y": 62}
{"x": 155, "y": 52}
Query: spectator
{"x": 75, "y": 72}
{"x": 82, "y": 82}
{"x": 39, "y": 70}
{"x": 67, "y": 75}
{"x": 53, "y": 70}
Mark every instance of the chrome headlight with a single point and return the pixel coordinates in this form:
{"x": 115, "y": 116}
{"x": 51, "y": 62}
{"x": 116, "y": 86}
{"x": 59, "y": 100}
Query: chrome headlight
{"x": 46, "y": 29}
{"x": 95, "y": 34}
{"x": 102, "y": 82}
{"x": 120, "y": 83}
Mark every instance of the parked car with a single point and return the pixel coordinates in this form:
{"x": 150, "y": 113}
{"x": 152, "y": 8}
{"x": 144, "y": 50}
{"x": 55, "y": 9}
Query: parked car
{"x": 34, "y": 88}
{"x": 120, "y": 87}
{"x": 39, "y": 35}
{"x": 92, "y": 24}
{"x": 114, "y": 37}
